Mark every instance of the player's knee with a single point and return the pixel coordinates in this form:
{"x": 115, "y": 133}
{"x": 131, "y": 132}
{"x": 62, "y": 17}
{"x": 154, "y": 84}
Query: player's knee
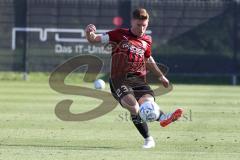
{"x": 134, "y": 110}
{"x": 129, "y": 101}
{"x": 146, "y": 97}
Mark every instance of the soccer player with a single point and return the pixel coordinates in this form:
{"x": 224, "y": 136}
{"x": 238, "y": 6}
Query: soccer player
{"x": 131, "y": 55}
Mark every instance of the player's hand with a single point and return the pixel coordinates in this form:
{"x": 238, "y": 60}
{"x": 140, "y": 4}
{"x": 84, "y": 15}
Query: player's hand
{"x": 164, "y": 81}
{"x": 90, "y": 28}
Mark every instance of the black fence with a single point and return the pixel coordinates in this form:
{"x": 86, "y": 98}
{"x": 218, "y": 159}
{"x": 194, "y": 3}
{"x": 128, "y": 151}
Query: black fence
{"x": 191, "y": 37}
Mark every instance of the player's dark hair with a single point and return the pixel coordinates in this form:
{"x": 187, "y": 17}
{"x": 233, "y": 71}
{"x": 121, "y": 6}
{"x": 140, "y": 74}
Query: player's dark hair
{"x": 140, "y": 13}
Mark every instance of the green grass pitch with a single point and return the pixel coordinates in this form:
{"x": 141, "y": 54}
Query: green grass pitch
{"x": 30, "y": 130}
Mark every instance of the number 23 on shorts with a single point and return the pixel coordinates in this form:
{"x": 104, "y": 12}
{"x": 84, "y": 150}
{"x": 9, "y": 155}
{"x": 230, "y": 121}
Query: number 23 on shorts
{"x": 121, "y": 90}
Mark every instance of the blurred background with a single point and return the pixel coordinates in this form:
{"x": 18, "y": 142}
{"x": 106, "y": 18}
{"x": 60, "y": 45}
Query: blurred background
{"x": 197, "y": 39}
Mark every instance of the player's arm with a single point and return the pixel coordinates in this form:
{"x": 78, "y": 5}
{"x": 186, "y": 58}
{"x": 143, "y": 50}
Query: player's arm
{"x": 152, "y": 66}
{"x": 91, "y": 36}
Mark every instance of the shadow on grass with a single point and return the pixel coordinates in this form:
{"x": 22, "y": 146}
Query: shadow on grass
{"x": 77, "y": 147}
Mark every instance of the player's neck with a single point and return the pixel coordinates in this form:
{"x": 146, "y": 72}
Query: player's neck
{"x": 133, "y": 33}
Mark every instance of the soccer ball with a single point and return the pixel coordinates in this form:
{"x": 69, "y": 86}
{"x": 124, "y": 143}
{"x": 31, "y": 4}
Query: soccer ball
{"x": 149, "y": 111}
{"x": 99, "y": 84}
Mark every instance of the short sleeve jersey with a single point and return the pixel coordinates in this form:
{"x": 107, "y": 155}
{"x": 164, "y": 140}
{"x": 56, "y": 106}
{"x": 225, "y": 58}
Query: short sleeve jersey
{"x": 128, "y": 53}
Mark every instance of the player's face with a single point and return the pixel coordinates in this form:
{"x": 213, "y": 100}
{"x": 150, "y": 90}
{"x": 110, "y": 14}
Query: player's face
{"x": 139, "y": 26}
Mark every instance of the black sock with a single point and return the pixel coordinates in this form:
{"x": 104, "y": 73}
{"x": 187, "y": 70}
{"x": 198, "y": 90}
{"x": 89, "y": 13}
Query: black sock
{"x": 141, "y": 126}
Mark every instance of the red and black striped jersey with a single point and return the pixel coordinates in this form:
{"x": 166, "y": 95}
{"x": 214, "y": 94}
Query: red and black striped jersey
{"x": 128, "y": 53}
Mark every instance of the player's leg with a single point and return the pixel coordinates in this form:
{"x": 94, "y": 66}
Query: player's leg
{"x": 124, "y": 95}
{"x": 148, "y": 141}
{"x": 164, "y": 119}
{"x": 130, "y": 103}
{"x": 146, "y": 97}
{"x": 144, "y": 93}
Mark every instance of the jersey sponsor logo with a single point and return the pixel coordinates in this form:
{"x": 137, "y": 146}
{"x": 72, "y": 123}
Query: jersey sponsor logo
{"x": 133, "y": 49}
